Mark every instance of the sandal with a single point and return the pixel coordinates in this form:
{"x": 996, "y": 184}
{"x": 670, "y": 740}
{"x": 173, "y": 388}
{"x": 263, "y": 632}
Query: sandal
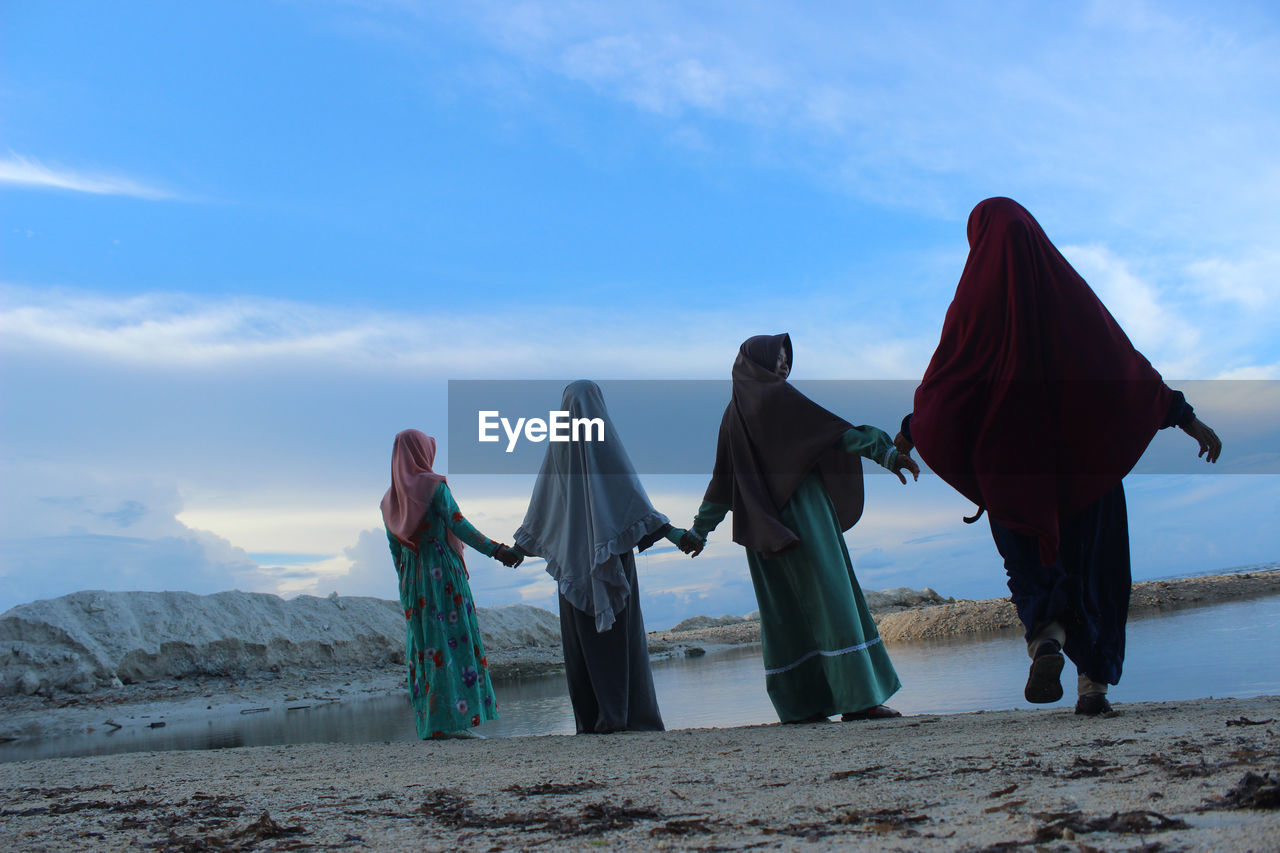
{"x": 876, "y": 712}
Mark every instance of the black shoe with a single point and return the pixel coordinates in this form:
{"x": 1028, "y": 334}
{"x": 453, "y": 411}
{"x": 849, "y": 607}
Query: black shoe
{"x": 1044, "y": 682}
{"x": 1093, "y": 704}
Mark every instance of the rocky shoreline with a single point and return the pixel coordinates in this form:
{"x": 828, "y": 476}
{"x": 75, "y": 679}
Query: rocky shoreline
{"x": 936, "y": 619}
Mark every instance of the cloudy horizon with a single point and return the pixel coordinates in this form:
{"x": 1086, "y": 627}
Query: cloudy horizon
{"x": 245, "y": 244}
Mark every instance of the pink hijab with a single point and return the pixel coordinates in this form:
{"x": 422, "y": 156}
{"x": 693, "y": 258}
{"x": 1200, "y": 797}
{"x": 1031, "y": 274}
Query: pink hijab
{"x": 413, "y": 485}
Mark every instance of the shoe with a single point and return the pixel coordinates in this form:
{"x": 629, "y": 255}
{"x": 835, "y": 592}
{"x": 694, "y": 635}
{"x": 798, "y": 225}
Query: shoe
{"x": 1093, "y": 704}
{"x": 1044, "y": 682}
{"x": 877, "y": 712}
{"x": 460, "y": 734}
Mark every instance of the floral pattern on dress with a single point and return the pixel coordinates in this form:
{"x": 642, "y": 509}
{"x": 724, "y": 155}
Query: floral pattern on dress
{"x": 447, "y": 672}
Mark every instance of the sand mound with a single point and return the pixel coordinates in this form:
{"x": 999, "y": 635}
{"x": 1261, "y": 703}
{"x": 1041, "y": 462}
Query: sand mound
{"x": 93, "y": 639}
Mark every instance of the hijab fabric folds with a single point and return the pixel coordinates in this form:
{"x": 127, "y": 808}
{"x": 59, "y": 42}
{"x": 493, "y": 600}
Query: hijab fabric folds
{"x": 589, "y": 508}
{"x": 1035, "y": 403}
{"x": 771, "y": 438}
{"x": 413, "y": 485}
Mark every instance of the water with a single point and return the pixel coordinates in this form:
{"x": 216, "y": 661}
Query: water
{"x": 1226, "y": 650}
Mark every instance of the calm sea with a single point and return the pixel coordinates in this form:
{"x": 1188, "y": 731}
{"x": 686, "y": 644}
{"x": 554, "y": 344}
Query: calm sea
{"x": 1225, "y": 650}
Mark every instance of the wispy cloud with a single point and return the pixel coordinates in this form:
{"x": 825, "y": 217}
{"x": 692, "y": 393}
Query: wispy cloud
{"x": 1144, "y": 116}
{"x": 835, "y": 337}
{"x": 22, "y": 171}
{"x": 165, "y": 332}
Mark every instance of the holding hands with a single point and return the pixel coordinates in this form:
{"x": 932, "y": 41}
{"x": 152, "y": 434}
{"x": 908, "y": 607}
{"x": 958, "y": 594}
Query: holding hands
{"x": 690, "y": 544}
{"x": 902, "y": 443}
{"x": 509, "y": 557}
{"x": 904, "y": 462}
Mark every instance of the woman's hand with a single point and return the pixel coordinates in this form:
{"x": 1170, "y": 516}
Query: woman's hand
{"x": 507, "y": 557}
{"x": 901, "y": 442}
{"x": 904, "y": 462}
{"x": 691, "y": 544}
{"x": 1210, "y": 444}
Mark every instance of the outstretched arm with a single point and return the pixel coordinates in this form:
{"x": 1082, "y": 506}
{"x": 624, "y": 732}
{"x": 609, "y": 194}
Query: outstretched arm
{"x": 464, "y": 530}
{"x": 873, "y": 443}
{"x": 1183, "y": 416}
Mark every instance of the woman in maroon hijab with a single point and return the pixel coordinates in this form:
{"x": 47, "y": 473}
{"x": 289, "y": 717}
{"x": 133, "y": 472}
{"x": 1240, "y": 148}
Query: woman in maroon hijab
{"x": 1034, "y": 407}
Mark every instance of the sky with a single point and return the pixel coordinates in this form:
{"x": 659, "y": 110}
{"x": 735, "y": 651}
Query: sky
{"x": 242, "y": 244}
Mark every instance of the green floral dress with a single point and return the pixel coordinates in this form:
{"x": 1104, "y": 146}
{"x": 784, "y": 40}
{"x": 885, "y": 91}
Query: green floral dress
{"x": 449, "y": 684}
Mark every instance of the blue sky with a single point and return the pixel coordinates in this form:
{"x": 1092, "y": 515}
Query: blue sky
{"x": 243, "y": 244}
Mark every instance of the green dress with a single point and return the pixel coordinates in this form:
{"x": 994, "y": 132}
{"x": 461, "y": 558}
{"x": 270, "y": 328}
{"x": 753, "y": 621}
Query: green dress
{"x": 822, "y": 652}
{"x": 448, "y": 676}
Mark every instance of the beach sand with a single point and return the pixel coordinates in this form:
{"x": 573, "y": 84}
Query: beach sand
{"x": 1152, "y": 777}
{"x": 1155, "y": 776}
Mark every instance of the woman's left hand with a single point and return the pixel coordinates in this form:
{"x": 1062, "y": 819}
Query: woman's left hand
{"x": 1210, "y": 444}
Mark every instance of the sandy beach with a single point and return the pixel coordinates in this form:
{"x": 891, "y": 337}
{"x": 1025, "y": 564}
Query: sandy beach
{"x": 1162, "y": 776}
{"x": 1200, "y": 775}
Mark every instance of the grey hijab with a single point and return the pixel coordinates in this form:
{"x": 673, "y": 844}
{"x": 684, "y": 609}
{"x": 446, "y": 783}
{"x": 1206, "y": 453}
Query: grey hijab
{"x": 588, "y": 509}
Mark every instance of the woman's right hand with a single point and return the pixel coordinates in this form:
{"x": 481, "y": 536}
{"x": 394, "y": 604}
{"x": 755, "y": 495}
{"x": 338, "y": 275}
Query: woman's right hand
{"x": 507, "y": 557}
{"x": 901, "y": 442}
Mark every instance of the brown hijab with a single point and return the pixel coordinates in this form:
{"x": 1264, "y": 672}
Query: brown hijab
{"x": 771, "y": 438}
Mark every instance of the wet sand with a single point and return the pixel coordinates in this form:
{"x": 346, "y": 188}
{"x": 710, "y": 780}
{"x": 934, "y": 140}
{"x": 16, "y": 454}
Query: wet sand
{"x": 1155, "y": 776}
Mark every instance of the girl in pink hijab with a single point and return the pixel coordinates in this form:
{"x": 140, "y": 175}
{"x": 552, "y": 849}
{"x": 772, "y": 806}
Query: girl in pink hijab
{"x": 449, "y": 684}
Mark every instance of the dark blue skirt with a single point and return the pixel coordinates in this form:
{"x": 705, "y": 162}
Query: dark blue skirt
{"x": 1086, "y": 591}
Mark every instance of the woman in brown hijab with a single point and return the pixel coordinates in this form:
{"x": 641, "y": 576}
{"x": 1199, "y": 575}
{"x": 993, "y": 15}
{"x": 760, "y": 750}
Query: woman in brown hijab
{"x": 792, "y": 473}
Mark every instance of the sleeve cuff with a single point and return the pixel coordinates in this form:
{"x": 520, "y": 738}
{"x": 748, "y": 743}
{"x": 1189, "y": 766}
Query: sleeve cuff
{"x": 890, "y": 457}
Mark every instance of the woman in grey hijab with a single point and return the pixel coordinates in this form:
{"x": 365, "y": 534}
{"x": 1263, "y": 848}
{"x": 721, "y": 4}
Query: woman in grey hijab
{"x": 588, "y": 514}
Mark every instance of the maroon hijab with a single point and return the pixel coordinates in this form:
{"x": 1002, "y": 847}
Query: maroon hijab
{"x": 771, "y": 438}
{"x": 413, "y": 485}
{"x": 1035, "y": 403}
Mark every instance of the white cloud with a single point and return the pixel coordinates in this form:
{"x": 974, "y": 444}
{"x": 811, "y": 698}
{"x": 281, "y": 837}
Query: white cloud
{"x": 162, "y": 332}
{"x": 29, "y": 172}
{"x": 1155, "y": 329}
{"x": 1251, "y": 282}
{"x": 1144, "y": 114}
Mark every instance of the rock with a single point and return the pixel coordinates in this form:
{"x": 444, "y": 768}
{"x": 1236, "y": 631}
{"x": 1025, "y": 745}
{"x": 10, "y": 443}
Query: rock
{"x": 87, "y": 640}
{"x": 28, "y": 683}
{"x": 695, "y": 622}
{"x": 82, "y": 682}
{"x": 901, "y": 598}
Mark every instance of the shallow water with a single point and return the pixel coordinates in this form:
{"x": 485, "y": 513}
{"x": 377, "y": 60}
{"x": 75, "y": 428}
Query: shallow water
{"x": 1225, "y": 650}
